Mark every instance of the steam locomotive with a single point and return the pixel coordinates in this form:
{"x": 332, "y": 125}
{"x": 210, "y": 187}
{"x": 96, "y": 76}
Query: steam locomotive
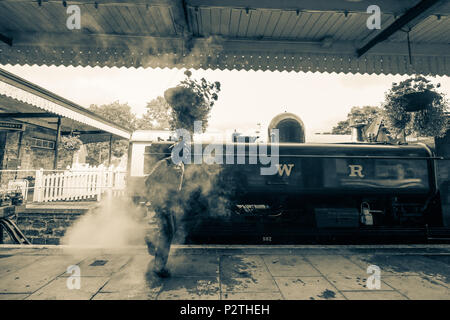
{"x": 342, "y": 185}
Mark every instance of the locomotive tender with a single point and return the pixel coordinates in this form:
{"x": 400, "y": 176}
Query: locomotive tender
{"x": 345, "y": 185}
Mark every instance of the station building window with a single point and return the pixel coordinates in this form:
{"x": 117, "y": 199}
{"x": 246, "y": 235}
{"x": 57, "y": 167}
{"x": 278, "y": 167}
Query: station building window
{"x": 42, "y": 143}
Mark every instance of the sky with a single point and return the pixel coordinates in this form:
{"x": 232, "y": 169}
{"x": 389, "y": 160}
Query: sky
{"x": 246, "y": 99}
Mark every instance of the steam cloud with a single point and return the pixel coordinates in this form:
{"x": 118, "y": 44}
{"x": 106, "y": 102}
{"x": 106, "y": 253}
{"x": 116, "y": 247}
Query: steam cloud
{"x": 114, "y": 223}
{"x": 203, "y": 196}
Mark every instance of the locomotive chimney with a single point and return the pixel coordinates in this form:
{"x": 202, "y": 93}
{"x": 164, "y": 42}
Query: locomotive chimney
{"x": 357, "y": 132}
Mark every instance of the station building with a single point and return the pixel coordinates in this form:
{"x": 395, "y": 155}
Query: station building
{"x": 32, "y": 122}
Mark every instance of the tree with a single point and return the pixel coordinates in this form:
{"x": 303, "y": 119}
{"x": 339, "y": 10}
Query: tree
{"x": 414, "y": 106}
{"x": 366, "y": 115}
{"x": 117, "y": 113}
{"x": 192, "y": 100}
{"x": 157, "y": 116}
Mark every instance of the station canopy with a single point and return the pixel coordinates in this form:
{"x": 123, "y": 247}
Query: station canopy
{"x": 23, "y": 102}
{"x": 285, "y": 35}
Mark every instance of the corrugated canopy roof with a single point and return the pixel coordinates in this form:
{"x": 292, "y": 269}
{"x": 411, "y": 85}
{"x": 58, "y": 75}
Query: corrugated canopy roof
{"x": 310, "y": 35}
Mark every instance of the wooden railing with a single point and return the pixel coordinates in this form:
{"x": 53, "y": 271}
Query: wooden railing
{"x": 79, "y": 183}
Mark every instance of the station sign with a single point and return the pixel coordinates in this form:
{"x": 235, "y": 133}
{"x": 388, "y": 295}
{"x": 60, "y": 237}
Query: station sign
{"x": 5, "y": 125}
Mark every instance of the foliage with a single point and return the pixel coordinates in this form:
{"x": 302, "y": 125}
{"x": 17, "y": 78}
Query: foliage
{"x": 70, "y": 143}
{"x": 157, "y": 116}
{"x": 430, "y": 121}
{"x": 342, "y": 127}
{"x": 192, "y": 100}
{"x": 98, "y": 153}
{"x": 117, "y": 113}
{"x": 366, "y": 115}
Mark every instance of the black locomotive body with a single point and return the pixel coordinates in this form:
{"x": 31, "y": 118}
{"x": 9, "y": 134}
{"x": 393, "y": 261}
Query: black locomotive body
{"x": 351, "y": 184}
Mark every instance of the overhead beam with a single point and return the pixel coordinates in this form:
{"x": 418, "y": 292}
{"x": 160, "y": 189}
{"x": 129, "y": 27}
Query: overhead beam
{"x": 26, "y": 115}
{"x": 175, "y": 45}
{"x": 78, "y": 132}
{"x": 99, "y": 2}
{"x": 386, "y": 6}
{"x": 81, "y": 41}
{"x": 180, "y": 18}
{"x": 411, "y": 14}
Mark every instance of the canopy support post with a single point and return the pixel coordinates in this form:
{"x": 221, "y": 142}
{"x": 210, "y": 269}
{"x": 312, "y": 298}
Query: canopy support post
{"x": 19, "y": 147}
{"x": 58, "y": 134}
{"x": 110, "y": 150}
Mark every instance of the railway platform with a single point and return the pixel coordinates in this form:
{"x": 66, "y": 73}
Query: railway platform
{"x": 300, "y": 272}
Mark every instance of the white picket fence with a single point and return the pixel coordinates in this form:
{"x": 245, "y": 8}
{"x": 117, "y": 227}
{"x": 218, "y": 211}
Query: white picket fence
{"x": 79, "y": 183}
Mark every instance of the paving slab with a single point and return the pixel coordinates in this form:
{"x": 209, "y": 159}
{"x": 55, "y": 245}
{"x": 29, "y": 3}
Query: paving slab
{"x": 418, "y": 287}
{"x": 190, "y": 288}
{"x": 192, "y": 265}
{"x": 179, "y": 250}
{"x": 59, "y": 290}
{"x": 247, "y": 284}
{"x": 373, "y": 295}
{"x": 36, "y": 275}
{"x": 227, "y": 272}
{"x": 130, "y": 251}
{"x": 243, "y": 266}
{"x": 289, "y": 265}
{"x": 353, "y": 282}
{"x": 335, "y": 265}
{"x": 134, "y": 281}
{"x": 397, "y": 265}
{"x": 101, "y": 265}
{"x": 239, "y": 273}
{"x": 230, "y": 295}
{"x": 434, "y": 268}
{"x": 126, "y": 295}
{"x": 307, "y": 288}
{"x": 133, "y": 277}
{"x": 13, "y": 250}
{"x": 13, "y": 296}
{"x": 388, "y": 264}
{"x": 11, "y": 263}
